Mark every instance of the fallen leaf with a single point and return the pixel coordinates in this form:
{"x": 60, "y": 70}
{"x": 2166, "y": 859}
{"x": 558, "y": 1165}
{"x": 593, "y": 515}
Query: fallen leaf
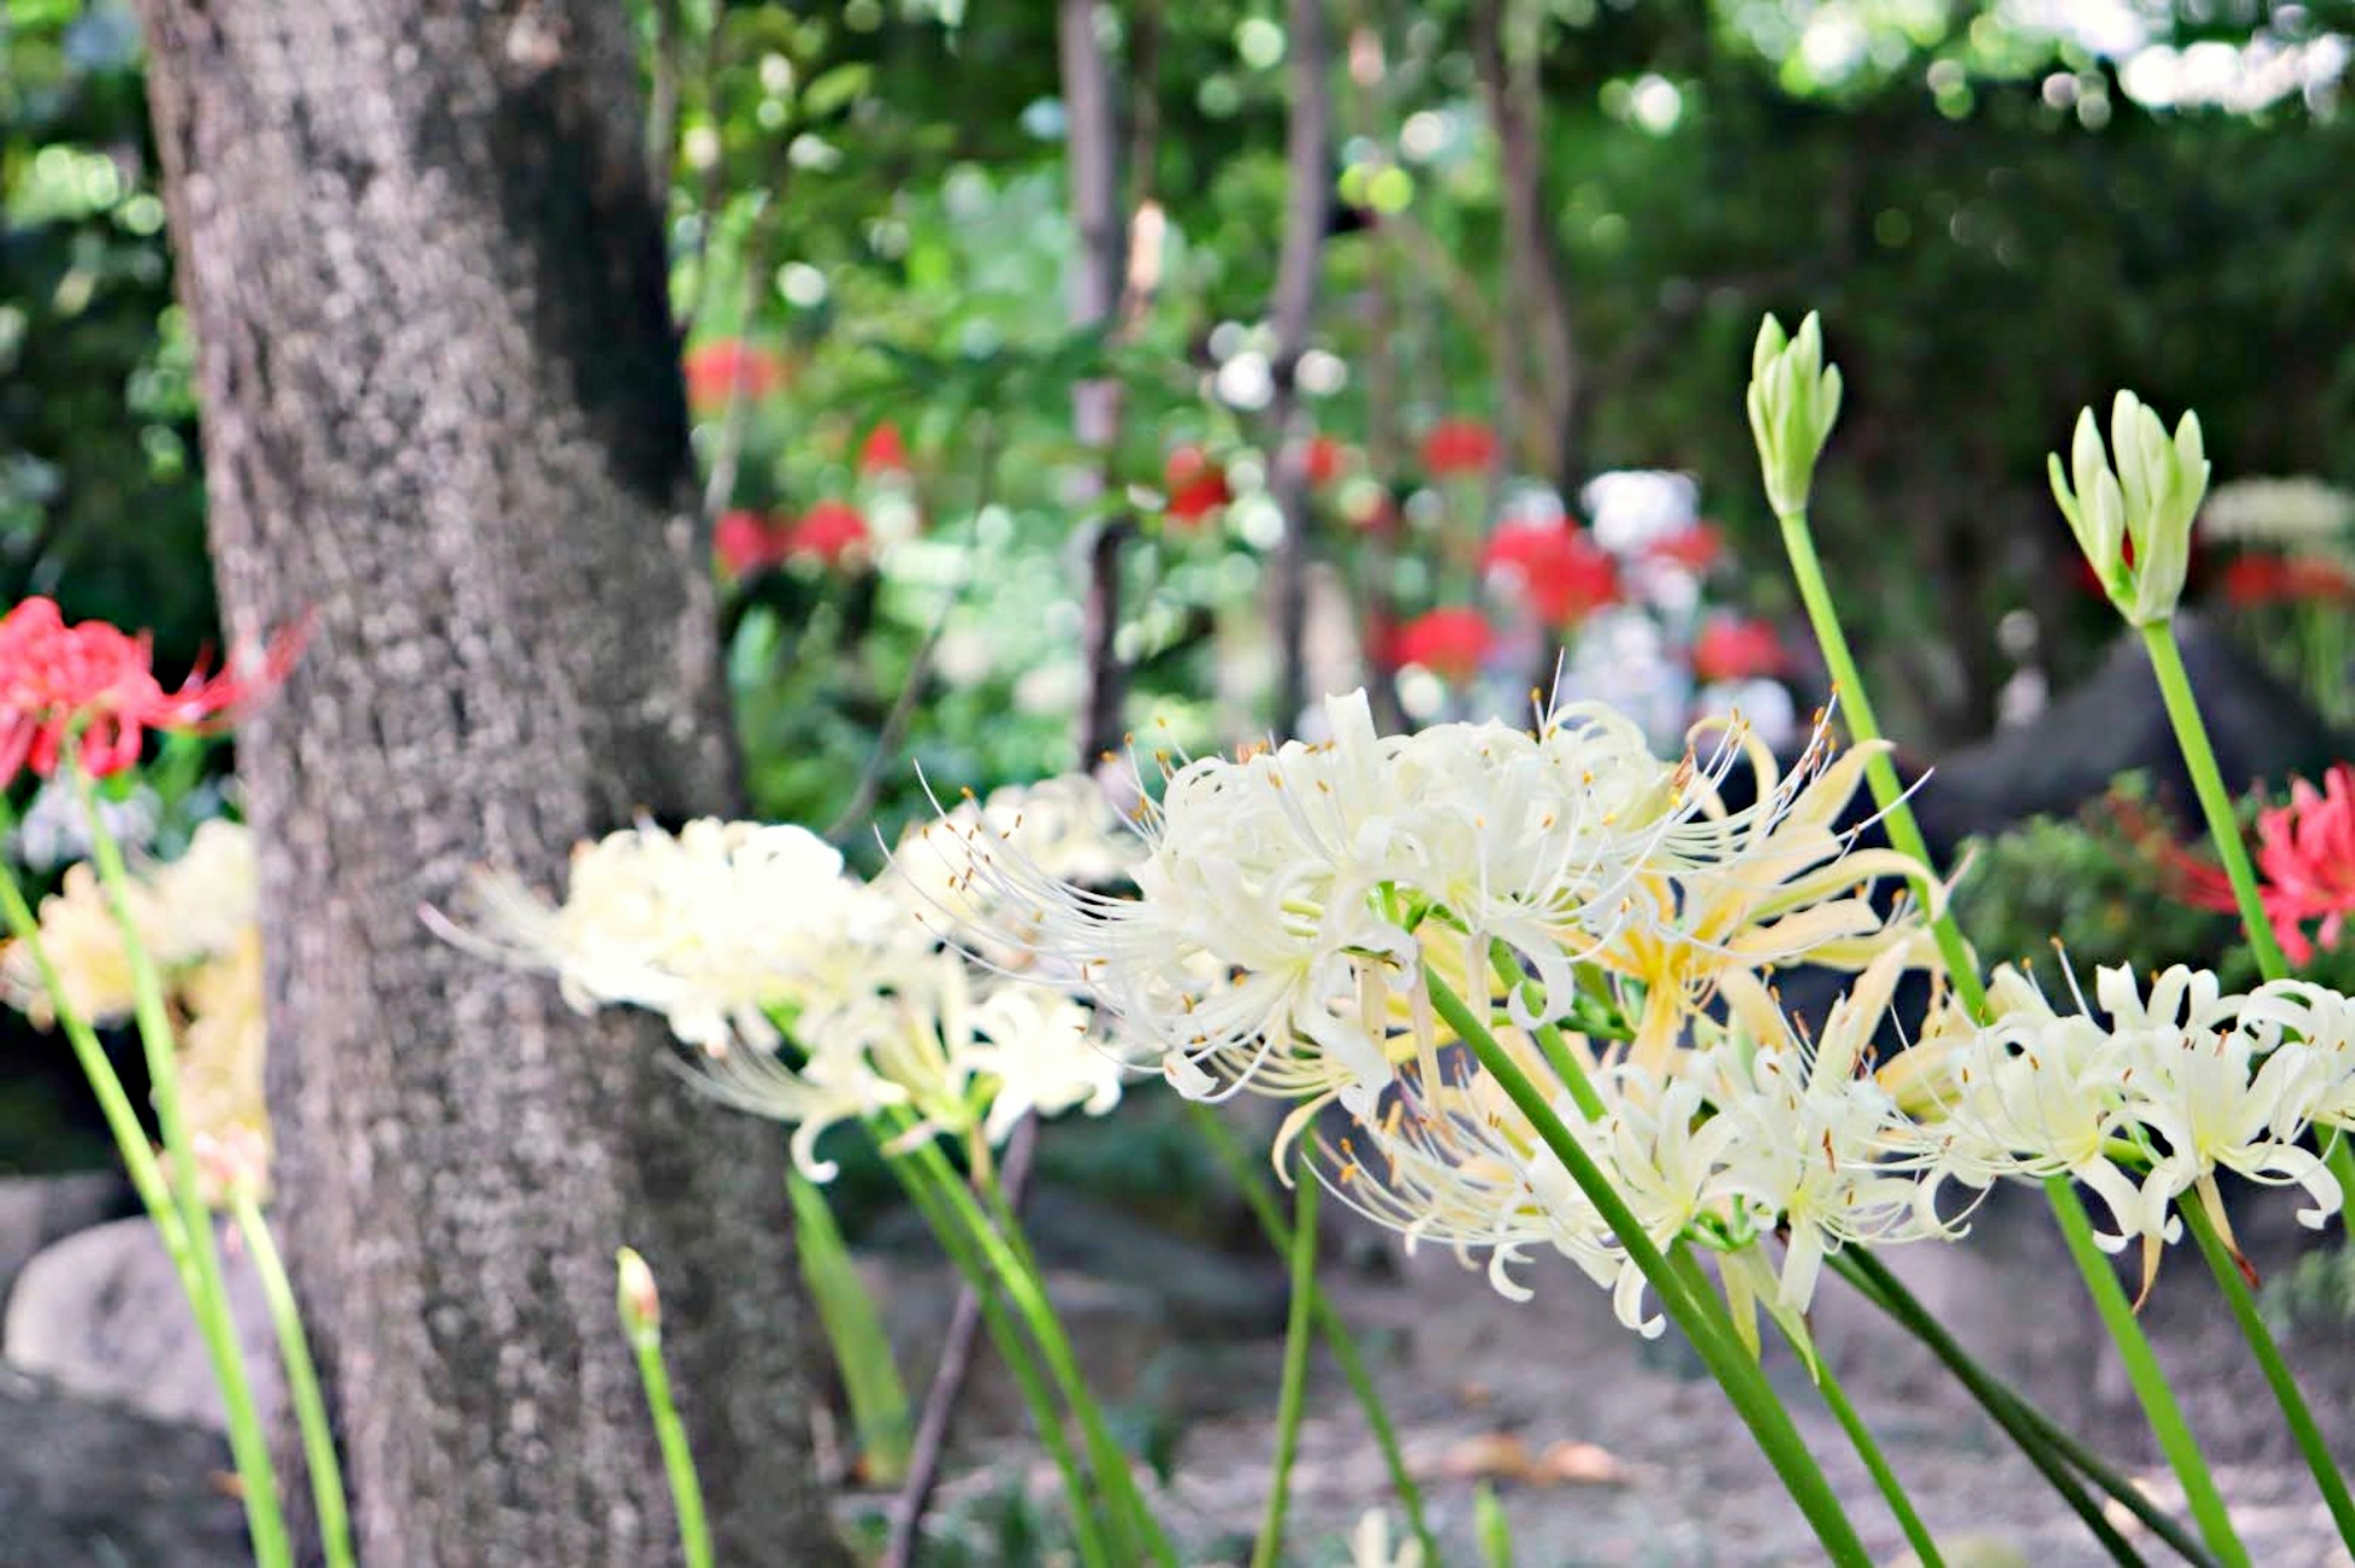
{"x": 1581, "y": 1465}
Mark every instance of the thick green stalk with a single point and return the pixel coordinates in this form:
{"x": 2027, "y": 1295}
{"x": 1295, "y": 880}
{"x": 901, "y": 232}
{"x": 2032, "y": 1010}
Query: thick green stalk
{"x": 1753, "y": 1399}
{"x": 2243, "y": 1303}
{"x": 2224, "y": 831}
{"x": 249, "y": 1443}
{"x": 1027, "y": 1292}
{"x": 301, "y": 1383}
{"x": 1007, "y": 1336}
{"x": 1278, "y": 1231}
{"x": 1293, "y": 1398}
{"x": 2049, "y": 1445}
{"x": 2109, "y": 1296}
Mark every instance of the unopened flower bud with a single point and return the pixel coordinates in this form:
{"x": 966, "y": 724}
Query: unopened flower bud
{"x": 1794, "y": 402}
{"x": 2143, "y": 493}
{"x": 640, "y": 1306}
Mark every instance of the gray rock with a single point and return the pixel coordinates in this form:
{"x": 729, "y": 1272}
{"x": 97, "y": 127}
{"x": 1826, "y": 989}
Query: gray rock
{"x": 36, "y": 1210}
{"x": 102, "y": 1313}
{"x": 83, "y": 1481}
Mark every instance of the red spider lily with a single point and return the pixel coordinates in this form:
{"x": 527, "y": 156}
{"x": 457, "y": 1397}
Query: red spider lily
{"x": 1458, "y": 446}
{"x": 1696, "y": 549}
{"x": 1561, "y": 572}
{"x": 2305, "y": 863}
{"x": 1197, "y": 487}
{"x": 2253, "y": 580}
{"x": 727, "y": 367}
{"x": 95, "y": 684}
{"x": 1732, "y": 647}
{"x": 1323, "y": 460}
{"x": 883, "y": 451}
{"x": 748, "y": 541}
{"x": 830, "y": 532}
{"x": 1449, "y": 642}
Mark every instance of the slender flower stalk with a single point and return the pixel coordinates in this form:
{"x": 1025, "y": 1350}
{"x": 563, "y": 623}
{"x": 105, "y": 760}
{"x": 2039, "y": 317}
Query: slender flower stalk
{"x": 1753, "y": 1399}
{"x": 302, "y": 1377}
{"x": 2226, "y": 1265}
{"x": 1876, "y": 1463}
{"x": 1257, "y": 1196}
{"x": 1859, "y": 1436}
{"x": 641, "y": 1310}
{"x": 2224, "y": 831}
{"x": 918, "y": 1181}
{"x": 1293, "y": 1397}
{"x": 208, "y": 1297}
{"x": 1778, "y": 451}
{"x": 1028, "y": 1295}
{"x": 2053, "y": 1448}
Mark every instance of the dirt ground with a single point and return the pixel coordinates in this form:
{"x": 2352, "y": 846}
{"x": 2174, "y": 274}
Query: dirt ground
{"x": 1667, "y": 1478}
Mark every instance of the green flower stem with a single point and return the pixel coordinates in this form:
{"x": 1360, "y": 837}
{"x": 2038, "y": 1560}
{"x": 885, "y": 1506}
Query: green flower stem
{"x": 2110, "y": 1302}
{"x": 1879, "y": 773}
{"x": 1917, "y": 1534}
{"x": 1255, "y": 1187}
{"x": 1859, "y": 1436}
{"x": 2215, "y": 801}
{"x": 2243, "y": 1303}
{"x": 2150, "y": 1385}
{"x": 1028, "y": 1295}
{"x": 678, "y": 1460}
{"x": 1753, "y": 1399}
{"x": 1293, "y": 1397}
{"x": 209, "y": 1299}
{"x": 114, "y": 1100}
{"x": 301, "y": 1383}
{"x": 2048, "y": 1445}
{"x": 1007, "y": 1337}
{"x": 2224, "y": 831}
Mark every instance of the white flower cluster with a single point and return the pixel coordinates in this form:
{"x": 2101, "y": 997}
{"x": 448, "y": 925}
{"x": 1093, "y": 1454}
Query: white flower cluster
{"x": 812, "y": 997}
{"x": 1298, "y": 904}
{"x": 2177, "y": 1086}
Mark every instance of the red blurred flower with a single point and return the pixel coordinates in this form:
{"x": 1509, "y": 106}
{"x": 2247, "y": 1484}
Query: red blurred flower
{"x": 883, "y": 451}
{"x": 1732, "y": 647}
{"x": 2305, "y": 863}
{"x": 1696, "y": 549}
{"x": 1196, "y": 485}
{"x": 1451, "y": 642}
{"x": 1324, "y": 460}
{"x": 96, "y": 685}
{"x": 2287, "y": 579}
{"x": 1560, "y": 570}
{"x": 1458, "y": 446}
{"x": 830, "y": 532}
{"x": 746, "y": 541}
{"x": 725, "y": 366}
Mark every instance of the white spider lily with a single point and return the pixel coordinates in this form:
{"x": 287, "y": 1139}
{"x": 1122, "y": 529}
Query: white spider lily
{"x": 1040, "y": 1050}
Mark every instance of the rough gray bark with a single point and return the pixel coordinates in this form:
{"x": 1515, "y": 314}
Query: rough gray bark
{"x": 442, "y": 419}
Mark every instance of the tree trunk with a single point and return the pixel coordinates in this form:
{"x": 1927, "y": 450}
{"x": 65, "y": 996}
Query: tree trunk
{"x": 444, "y": 418}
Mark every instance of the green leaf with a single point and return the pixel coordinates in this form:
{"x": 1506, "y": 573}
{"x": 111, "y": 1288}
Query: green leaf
{"x": 862, "y": 1352}
{"x": 836, "y": 89}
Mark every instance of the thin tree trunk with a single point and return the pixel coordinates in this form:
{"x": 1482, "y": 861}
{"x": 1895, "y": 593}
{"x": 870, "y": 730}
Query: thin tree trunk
{"x": 1307, "y": 213}
{"x": 444, "y": 418}
{"x": 1542, "y": 319}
